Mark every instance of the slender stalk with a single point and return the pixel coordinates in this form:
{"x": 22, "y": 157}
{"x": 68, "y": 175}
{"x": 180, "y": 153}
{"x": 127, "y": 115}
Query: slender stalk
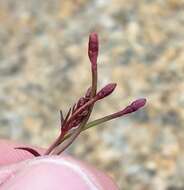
{"x": 93, "y": 123}
{"x": 98, "y": 122}
{"x": 94, "y": 83}
{"x": 62, "y": 147}
{"x": 54, "y": 144}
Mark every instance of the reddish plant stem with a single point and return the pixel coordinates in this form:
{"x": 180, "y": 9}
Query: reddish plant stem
{"x": 54, "y": 144}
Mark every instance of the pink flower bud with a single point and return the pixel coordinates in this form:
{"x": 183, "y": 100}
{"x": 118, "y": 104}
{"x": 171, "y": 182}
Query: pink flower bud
{"x": 134, "y": 106}
{"x": 93, "y": 49}
{"x": 105, "y": 91}
{"x": 138, "y": 103}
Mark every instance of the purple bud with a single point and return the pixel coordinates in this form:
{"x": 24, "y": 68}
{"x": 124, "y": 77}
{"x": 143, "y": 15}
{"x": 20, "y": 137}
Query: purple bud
{"x": 138, "y": 103}
{"x": 105, "y": 91}
{"x": 93, "y": 49}
{"x": 134, "y": 106}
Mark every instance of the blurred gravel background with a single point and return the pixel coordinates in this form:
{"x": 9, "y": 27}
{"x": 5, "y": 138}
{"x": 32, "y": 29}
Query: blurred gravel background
{"x": 44, "y": 67}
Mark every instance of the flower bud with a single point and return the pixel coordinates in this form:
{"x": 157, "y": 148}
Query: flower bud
{"x": 134, "y": 106}
{"x": 105, "y": 91}
{"x": 93, "y": 49}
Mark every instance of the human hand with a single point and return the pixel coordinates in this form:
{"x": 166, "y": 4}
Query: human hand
{"x": 20, "y": 171}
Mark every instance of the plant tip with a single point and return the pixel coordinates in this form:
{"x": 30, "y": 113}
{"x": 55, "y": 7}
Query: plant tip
{"x": 93, "y": 49}
{"x": 138, "y": 103}
{"x": 106, "y": 91}
{"x": 76, "y": 120}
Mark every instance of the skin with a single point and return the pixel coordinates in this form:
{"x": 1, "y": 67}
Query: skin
{"x": 20, "y": 171}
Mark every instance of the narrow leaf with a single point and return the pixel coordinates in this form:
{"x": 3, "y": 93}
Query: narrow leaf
{"x": 61, "y": 117}
{"x": 73, "y": 108}
{"x": 66, "y": 118}
{"x": 30, "y": 150}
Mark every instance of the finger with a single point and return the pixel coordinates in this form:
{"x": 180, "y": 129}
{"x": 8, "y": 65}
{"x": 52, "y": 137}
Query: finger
{"x": 9, "y": 155}
{"x": 54, "y": 173}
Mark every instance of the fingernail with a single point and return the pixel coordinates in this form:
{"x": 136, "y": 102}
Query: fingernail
{"x": 56, "y": 173}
